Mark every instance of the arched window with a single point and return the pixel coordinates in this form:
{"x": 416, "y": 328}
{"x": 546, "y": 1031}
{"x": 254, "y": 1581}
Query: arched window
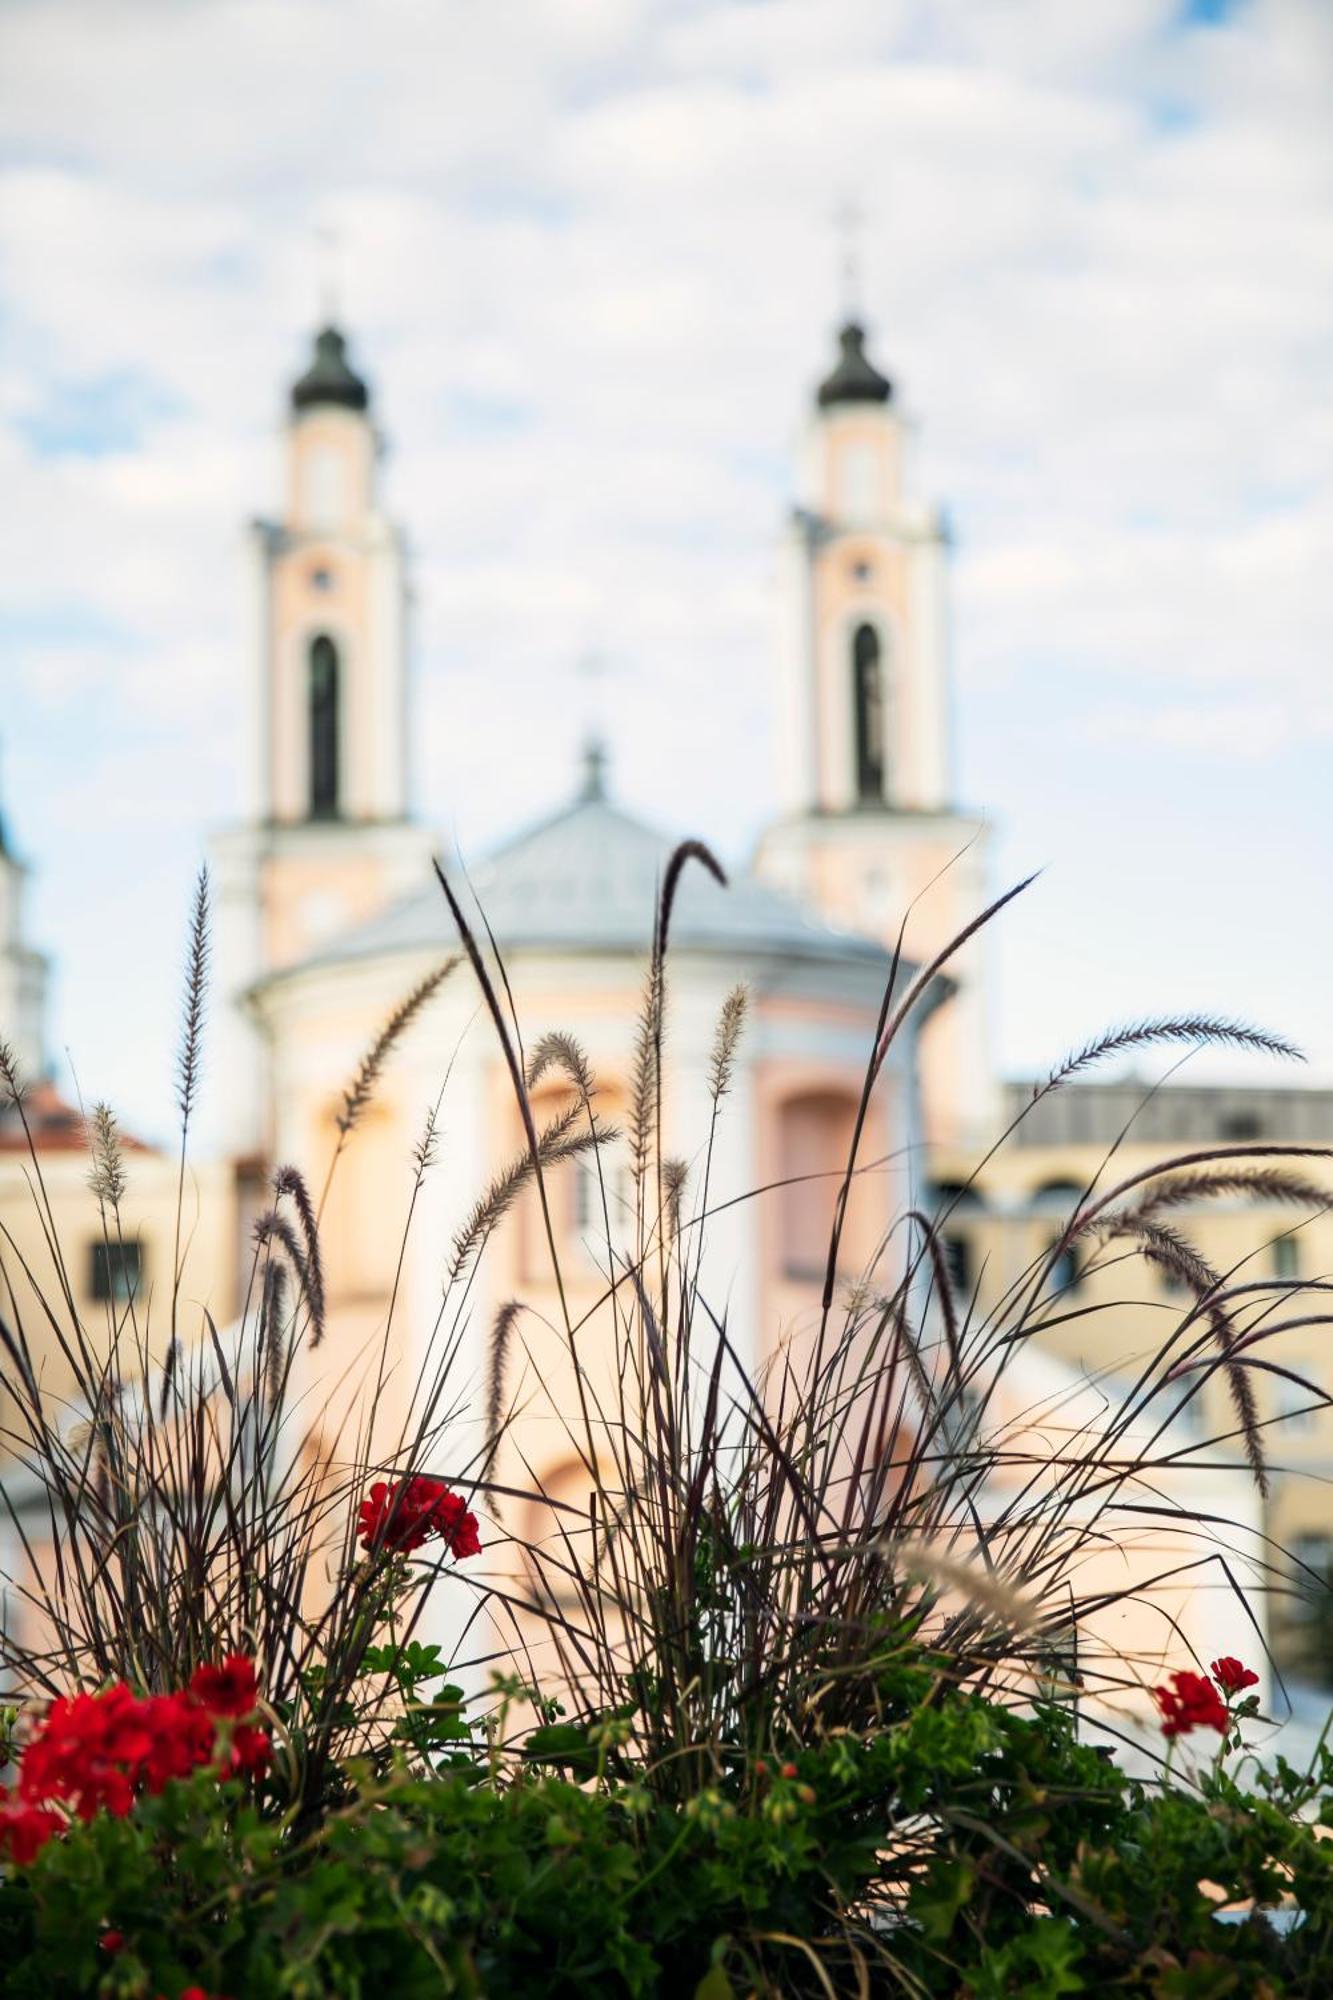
{"x": 323, "y": 729}
{"x": 558, "y": 1534}
{"x": 814, "y": 1144}
{"x": 868, "y": 696}
{"x": 1058, "y": 1197}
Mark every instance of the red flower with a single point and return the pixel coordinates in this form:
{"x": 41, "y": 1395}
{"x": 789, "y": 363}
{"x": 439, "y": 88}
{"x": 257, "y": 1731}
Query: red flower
{"x": 1191, "y": 1702}
{"x": 231, "y": 1689}
{"x": 182, "y": 1737}
{"x": 112, "y": 1942}
{"x": 403, "y": 1516}
{"x": 1231, "y": 1676}
{"x": 82, "y": 1749}
{"x": 97, "y": 1753}
{"x": 250, "y": 1749}
{"x": 25, "y": 1829}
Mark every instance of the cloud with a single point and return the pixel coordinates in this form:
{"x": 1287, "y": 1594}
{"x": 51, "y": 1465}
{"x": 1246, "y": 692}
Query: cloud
{"x": 588, "y": 263}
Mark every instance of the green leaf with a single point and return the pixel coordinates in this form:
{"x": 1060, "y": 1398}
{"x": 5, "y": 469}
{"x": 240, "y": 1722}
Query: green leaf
{"x": 715, "y": 1985}
{"x": 563, "y": 1743}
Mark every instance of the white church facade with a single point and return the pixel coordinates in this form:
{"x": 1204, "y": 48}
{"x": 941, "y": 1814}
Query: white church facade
{"x": 329, "y": 913}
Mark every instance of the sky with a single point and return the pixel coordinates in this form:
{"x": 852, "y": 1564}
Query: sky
{"x": 587, "y": 255}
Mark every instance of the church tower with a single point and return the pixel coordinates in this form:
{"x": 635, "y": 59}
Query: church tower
{"x": 327, "y": 839}
{"x": 869, "y": 823}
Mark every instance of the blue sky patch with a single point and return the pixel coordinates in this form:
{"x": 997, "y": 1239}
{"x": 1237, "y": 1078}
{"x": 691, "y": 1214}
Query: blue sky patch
{"x": 97, "y": 417}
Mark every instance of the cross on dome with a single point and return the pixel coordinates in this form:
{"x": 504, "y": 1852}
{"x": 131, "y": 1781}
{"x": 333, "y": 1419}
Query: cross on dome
{"x": 593, "y": 759}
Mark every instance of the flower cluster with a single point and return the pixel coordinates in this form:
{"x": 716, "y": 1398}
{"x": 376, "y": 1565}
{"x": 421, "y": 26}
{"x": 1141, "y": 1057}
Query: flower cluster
{"x": 97, "y": 1752}
{"x": 1231, "y": 1676}
{"x": 1192, "y": 1701}
{"x": 401, "y": 1517}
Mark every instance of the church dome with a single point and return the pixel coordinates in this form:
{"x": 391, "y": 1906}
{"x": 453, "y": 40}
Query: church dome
{"x": 855, "y": 378}
{"x": 329, "y": 378}
{"x": 587, "y": 880}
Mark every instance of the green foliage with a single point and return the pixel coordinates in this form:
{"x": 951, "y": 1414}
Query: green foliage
{"x": 964, "y": 1849}
{"x": 757, "y": 1780}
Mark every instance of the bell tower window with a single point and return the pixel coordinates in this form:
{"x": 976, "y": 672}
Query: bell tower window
{"x": 868, "y": 699}
{"x": 323, "y": 728}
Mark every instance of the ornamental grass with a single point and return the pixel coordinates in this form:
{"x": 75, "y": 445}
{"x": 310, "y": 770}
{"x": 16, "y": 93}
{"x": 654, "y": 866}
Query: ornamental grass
{"x": 775, "y": 1685}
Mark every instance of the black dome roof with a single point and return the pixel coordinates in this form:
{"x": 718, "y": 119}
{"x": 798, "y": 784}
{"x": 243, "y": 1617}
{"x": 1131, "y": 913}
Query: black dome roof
{"x": 856, "y": 378}
{"x": 329, "y": 379}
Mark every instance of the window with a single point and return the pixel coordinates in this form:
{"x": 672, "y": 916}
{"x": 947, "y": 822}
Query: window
{"x": 1240, "y": 1125}
{"x": 814, "y": 1143}
{"x": 587, "y": 1196}
{"x": 961, "y": 1197}
{"x": 1294, "y": 1404}
{"x": 1311, "y": 1579}
{"x": 323, "y": 729}
{"x": 1057, "y": 1197}
{"x": 1286, "y": 1258}
{"x": 868, "y": 692}
{"x": 117, "y": 1271}
{"x": 1312, "y": 1552}
{"x": 1065, "y": 1272}
{"x": 321, "y": 579}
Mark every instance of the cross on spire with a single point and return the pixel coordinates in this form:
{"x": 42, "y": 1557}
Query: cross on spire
{"x": 594, "y": 667}
{"x": 328, "y": 247}
{"x": 849, "y": 219}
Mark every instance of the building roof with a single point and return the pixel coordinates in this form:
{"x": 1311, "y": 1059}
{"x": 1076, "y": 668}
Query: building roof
{"x": 330, "y": 378}
{"x": 586, "y": 879}
{"x": 1148, "y": 1113}
{"x": 855, "y": 379}
{"x": 48, "y": 1124}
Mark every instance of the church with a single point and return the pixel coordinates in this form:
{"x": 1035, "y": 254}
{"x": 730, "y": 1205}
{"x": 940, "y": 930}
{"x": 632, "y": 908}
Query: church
{"x": 328, "y": 915}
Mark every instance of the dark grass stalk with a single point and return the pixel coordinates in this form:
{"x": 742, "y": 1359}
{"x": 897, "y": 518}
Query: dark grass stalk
{"x": 814, "y": 1587}
{"x": 189, "y": 1060}
{"x": 757, "y": 1543}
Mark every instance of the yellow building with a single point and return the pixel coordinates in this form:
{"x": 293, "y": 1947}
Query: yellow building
{"x": 1003, "y": 1220}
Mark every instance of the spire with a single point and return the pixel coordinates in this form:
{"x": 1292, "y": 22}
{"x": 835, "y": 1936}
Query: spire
{"x": 855, "y": 379}
{"x": 592, "y": 788}
{"x": 329, "y": 378}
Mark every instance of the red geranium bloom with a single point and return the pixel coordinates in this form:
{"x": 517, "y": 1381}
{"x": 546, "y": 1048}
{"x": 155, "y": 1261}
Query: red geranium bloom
{"x": 403, "y": 1516}
{"x": 1191, "y": 1702}
{"x": 82, "y": 1751}
{"x": 182, "y": 1738}
{"x": 1232, "y": 1676}
{"x": 97, "y": 1751}
{"x": 25, "y": 1829}
{"x": 231, "y": 1689}
{"x": 250, "y": 1749}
